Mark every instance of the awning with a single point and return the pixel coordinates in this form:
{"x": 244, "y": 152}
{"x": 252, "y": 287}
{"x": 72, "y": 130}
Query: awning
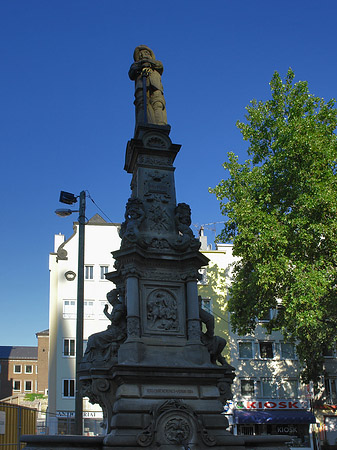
{"x": 275, "y": 416}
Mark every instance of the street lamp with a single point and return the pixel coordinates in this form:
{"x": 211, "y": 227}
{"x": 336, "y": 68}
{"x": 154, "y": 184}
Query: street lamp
{"x": 69, "y": 199}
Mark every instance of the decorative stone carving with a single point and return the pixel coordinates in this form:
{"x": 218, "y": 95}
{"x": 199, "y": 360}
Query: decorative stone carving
{"x": 103, "y": 346}
{"x": 134, "y": 216}
{"x": 146, "y": 71}
{"x": 177, "y": 430}
{"x": 156, "y": 140}
{"x": 193, "y": 329}
{"x": 158, "y": 219}
{"x": 151, "y": 160}
{"x": 133, "y": 327}
{"x": 162, "y": 311}
{"x": 157, "y": 187}
{"x": 175, "y": 422}
{"x": 183, "y": 221}
{"x": 214, "y": 344}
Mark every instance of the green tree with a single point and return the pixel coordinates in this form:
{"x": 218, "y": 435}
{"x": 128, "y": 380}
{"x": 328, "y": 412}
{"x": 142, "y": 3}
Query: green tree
{"x": 281, "y": 210}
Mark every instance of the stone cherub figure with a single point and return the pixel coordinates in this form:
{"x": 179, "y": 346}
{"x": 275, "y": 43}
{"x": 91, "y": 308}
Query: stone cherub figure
{"x": 102, "y": 347}
{"x": 134, "y": 216}
{"x": 214, "y": 344}
{"x": 182, "y": 220}
{"x": 147, "y": 71}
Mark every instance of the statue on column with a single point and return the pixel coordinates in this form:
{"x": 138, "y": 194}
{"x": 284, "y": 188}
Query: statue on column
{"x": 146, "y": 71}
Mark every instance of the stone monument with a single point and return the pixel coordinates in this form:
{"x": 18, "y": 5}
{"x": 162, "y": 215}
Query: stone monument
{"x": 158, "y": 375}
{"x": 159, "y": 381}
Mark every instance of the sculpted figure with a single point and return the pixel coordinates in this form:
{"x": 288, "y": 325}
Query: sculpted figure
{"x": 146, "y": 71}
{"x": 134, "y": 216}
{"x": 214, "y": 344}
{"x": 182, "y": 219}
{"x": 103, "y": 346}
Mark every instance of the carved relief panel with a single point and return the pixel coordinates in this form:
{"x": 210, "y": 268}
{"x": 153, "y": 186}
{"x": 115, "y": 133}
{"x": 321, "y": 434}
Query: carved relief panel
{"x": 163, "y": 310}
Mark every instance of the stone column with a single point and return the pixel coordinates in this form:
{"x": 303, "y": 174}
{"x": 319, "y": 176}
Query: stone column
{"x": 132, "y": 305}
{"x": 193, "y": 321}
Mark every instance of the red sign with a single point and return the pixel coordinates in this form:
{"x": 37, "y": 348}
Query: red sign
{"x": 271, "y": 404}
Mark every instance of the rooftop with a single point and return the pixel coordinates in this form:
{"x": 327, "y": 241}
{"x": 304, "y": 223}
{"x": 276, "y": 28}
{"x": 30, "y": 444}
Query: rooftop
{"x": 16, "y": 352}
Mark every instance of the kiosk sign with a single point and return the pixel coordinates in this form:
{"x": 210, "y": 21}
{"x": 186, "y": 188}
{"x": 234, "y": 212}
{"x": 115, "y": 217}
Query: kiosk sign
{"x": 271, "y": 404}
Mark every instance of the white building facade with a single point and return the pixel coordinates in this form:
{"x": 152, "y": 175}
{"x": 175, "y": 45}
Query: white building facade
{"x": 101, "y": 238}
{"x": 268, "y": 397}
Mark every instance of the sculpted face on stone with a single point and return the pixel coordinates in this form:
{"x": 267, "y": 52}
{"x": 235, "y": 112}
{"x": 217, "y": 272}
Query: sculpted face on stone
{"x": 146, "y": 72}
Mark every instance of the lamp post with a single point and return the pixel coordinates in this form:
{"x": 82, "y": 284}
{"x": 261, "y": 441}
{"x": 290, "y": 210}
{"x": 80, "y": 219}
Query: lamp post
{"x": 68, "y": 198}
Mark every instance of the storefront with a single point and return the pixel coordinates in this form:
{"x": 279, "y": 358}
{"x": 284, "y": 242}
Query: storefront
{"x": 92, "y": 421}
{"x": 274, "y": 417}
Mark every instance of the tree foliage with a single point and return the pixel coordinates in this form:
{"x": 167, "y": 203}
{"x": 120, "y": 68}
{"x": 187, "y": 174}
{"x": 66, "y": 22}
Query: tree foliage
{"x": 281, "y": 209}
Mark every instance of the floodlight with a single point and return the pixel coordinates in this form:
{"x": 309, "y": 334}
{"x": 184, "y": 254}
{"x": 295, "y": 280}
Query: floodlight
{"x": 67, "y": 197}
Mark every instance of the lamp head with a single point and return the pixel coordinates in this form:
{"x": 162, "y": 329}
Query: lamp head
{"x": 64, "y": 212}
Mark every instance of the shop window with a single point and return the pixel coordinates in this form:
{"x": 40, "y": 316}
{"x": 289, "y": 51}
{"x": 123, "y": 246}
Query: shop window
{"x": 269, "y": 388}
{"x": 17, "y": 385}
{"x": 89, "y": 309}
{"x": 330, "y": 385}
{"x": 246, "y": 430}
{"x": 68, "y": 347}
{"x": 28, "y": 386}
{"x": 89, "y": 272}
{"x": 69, "y": 309}
{"x": 266, "y": 350}
{"x": 17, "y": 368}
{"x": 247, "y": 388}
{"x": 69, "y": 388}
{"x": 103, "y": 271}
{"x": 66, "y": 425}
{"x": 287, "y": 350}
{"x": 245, "y": 349}
{"x": 289, "y": 389}
{"x": 28, "y": 369}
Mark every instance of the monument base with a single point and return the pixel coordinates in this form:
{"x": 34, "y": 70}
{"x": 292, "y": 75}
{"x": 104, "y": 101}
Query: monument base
{"x": 96, "y": 443}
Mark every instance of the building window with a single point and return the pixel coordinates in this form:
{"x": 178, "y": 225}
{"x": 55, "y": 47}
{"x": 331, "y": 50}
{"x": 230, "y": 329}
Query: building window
{"x": 266, "y": 350}
{"x": 330, "y": 385}
{"x": 69, "y": 309}
{"x": 101, "y": 314}
{"x": 203, "y": 278}
{"x": 89, "y": 309}
{"x": 17, "y": 385}
{"x": 269, "y": 388}
{"x": 104, "y": 270}
{"x": 206, "y": 304}
{"x": 246, "y": 350}
{"x": 17, "y": 368}
{"x": 265, "y": 317}
{"x": 68, "y": 347}
{"x": 289, "y": 389}
{"x": 287, "y": 350}
{"x": 28, "y": 386}
{"x": 29, "y": 369}
{"x": 89, "y": 272}
{"x": 68, "y": 388}
{"x": 247, "y": 388}
{"x": 329, "y": 351}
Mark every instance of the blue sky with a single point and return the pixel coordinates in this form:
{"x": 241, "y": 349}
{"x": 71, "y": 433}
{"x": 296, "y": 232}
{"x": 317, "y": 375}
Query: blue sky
{"x": 67, "y": 110}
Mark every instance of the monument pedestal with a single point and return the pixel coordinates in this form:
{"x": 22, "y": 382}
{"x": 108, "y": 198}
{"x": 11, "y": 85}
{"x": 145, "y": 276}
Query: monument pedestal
{"x": 171, "y": 406}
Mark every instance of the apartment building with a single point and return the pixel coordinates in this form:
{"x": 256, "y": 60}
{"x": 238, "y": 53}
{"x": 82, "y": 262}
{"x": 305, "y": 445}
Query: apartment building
{"x": 101, "y": 238}
{"x": 268, "y": 396}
